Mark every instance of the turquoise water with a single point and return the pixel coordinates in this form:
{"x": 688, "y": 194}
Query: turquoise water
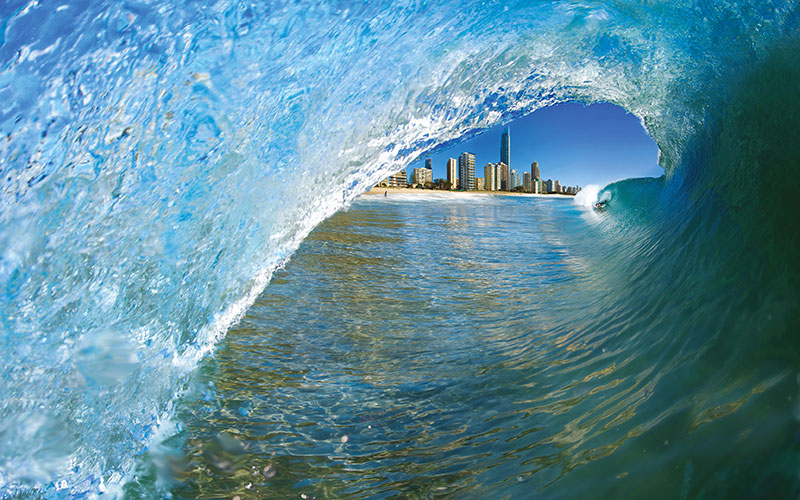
{"x": 480, "y": 346}
{"x": 162, "y": 159}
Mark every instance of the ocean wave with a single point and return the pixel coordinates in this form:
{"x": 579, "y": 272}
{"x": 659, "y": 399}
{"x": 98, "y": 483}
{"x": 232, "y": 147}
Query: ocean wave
{"x": 160, "y": 160}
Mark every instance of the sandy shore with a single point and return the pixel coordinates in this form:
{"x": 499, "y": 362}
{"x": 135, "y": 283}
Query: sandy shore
{"x": 375, "y": 191}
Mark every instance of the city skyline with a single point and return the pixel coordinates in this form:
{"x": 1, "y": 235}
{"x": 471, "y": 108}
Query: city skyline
{"x": 579, "y": 145}
{"x": 497, "y": 176}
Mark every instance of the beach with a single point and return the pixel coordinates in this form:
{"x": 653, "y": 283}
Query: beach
{"x": 394, "y": 191}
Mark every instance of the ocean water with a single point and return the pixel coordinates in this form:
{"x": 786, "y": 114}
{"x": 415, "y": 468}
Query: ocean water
{"x": 479, "y": 346}
{"x": 161, "y": 160}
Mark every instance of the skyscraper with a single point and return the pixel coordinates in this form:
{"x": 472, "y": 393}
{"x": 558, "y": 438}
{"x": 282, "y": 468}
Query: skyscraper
{"x": 535, "y": 170}
{"x": 505, "y": 147}
{"x": 514, "y": 181}
{"x": 493, "y": 173}
{"x": 526, "y": 182}
{"x": 490, "y": 182}
{"x": 452, "y": 174}
{"x": 503, "y": 177}
{"x": 466, "y": 172}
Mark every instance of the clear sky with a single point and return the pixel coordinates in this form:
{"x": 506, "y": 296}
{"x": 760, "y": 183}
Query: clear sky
{"x": 575, "y": 144}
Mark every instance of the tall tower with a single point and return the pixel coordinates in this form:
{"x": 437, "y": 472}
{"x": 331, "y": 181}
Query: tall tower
{"x": 505, "y": 147}
{"x": 452, "y": 174}
{"x": 535, "y": 170}
{"x": 466, "y": 172}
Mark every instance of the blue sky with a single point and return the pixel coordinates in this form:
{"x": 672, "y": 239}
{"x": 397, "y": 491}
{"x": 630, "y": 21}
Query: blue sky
{"x": 576, "y": 144}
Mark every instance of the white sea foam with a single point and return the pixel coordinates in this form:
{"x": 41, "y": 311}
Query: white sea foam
{"x": 587, "y": 196}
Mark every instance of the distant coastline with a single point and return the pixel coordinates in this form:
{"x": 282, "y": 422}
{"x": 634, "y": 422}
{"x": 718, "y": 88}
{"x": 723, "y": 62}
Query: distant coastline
{"x": 375, "y": 191}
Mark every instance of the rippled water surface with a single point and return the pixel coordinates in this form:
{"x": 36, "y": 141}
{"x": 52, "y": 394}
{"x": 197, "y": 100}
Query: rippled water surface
{"x": 474, "y": 346}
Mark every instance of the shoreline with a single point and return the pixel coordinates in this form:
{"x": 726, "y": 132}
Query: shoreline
{"x": 375, "y": 191}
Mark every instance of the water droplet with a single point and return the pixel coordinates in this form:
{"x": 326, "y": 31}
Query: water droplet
{"x": 269, "y": 471}
{"x": 345, "y": 439}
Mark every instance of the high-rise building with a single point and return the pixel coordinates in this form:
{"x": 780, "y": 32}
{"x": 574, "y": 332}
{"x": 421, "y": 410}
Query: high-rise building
{"x": 503, "y": 177}
{"x": 526, "y": 182}
{"x": 479, "y": 183}
{"x": 452, "y": 174}
{"x": 549, "y": 186}
{"x": 505, "y": 147}
{"x": 399, "y": 179}
{"x": 514, "y": 180}
{"x": 493, "y": 175}
{"x": 421, "y": 176}
{"x": 466, "y": 172}
{"x": 428, "y": 163}
{"x": 557, "y": 186}
{"x": 490, "y": 181}
{"x": 535, "y": 170}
